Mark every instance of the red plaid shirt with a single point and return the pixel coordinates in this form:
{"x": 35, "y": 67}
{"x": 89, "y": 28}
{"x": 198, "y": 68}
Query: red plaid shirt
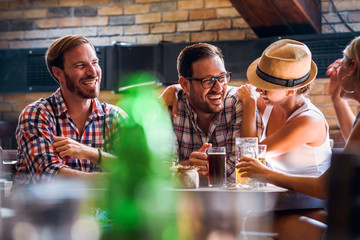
{"x": 39, "y": 122}
{"x": 223, "y": 130}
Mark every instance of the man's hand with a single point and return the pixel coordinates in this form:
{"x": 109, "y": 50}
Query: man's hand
{"x": 199, "y": 159}
{"x": 68, "y": 147}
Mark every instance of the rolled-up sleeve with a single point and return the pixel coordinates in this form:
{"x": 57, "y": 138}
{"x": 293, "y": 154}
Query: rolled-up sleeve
{"x": 37, "y": 159}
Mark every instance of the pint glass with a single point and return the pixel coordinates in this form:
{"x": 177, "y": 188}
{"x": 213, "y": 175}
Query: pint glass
{"x": 246, "y": 147}
{"x": 217, "y": 159}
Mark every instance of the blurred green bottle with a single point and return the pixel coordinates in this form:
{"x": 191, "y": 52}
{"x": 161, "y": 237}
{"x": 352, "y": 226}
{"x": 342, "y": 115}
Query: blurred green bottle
{"x": 140, "y": 206}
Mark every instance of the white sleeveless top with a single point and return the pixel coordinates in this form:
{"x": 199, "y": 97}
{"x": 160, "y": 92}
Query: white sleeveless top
{"x": 304, "y": 160}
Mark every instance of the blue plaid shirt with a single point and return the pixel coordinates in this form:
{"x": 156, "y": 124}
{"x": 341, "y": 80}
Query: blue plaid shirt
{"x": 223, "y": 130}
{"x": 39, "y": 122}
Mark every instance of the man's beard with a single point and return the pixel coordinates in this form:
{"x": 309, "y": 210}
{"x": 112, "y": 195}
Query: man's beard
{"x": 72, "y": 87}
{"x": 206, "y": 107}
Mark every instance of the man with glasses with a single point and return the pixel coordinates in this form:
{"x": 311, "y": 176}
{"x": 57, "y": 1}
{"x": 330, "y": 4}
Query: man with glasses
{"x": 209, "y": 112}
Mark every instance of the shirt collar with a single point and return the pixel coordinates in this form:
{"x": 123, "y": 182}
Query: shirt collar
{"x": 60, "y": 105}
{"x": 59, "y": 102}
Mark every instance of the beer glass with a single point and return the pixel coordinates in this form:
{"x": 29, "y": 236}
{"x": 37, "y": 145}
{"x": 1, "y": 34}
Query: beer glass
{"x": 217, "y": 159}
{"x": 262, "y": 153}
{"x": 262, "y": 158}
{"x": 245, "y": 147}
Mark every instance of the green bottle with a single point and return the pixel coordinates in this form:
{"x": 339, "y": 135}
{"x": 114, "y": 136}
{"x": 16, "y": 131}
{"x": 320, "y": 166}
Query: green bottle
{"x": 140, "y": 206}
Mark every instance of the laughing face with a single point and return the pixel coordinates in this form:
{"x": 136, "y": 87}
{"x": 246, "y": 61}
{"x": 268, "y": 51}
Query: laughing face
{"x": 273, "y": 97}
{"x": 207, "y": 100}
{"x": 82, "y": 73}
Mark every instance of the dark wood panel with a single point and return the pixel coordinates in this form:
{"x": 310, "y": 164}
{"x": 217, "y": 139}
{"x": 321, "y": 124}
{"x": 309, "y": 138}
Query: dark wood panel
{"x": 280, "y": 17}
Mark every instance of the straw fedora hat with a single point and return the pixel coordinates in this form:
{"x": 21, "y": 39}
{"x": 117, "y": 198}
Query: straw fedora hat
{"x": 285, "y": 64}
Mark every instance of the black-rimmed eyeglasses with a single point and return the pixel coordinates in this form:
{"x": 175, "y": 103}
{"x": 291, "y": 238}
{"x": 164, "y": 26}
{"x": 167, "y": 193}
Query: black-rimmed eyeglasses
{"x": 209, "y": 82}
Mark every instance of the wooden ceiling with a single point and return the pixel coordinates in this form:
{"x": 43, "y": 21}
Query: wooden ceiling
{"x": 281, "y": 17}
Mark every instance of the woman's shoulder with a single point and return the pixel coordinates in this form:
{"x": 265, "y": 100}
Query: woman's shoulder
{"x": 308, "y": 111}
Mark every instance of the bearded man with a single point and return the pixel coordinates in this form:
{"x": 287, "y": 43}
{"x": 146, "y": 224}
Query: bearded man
{"x": 208, "y": 112}
{"x": 67, "y": 134}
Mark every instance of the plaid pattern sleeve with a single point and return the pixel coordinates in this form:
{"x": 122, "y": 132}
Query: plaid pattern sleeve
{"x": 39, "y": 122}
{"x": 37, "y": 159}
{"x": 174, "y": 156}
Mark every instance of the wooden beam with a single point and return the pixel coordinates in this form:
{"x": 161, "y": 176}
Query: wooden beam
{"x": 281, "y": 17}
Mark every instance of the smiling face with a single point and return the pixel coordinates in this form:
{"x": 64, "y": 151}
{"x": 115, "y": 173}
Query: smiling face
{"x": 207, "y": 100}
{"x": 81, "y": 75}
{"x": 272, "y": 97}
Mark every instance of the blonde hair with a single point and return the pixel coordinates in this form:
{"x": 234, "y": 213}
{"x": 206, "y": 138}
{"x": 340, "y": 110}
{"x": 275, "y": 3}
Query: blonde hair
{"x": 352, "y": 52}
{"x": 54, "y": 55}
{"x": 304, "y": 90}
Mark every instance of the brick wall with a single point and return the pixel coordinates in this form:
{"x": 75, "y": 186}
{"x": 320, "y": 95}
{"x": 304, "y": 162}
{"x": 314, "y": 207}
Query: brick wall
{"x": 28, "y": 24}
{"x": 36, "y": 23}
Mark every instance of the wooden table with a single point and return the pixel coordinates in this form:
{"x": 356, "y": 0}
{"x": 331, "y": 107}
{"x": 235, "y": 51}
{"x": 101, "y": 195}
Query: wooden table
{"x": 268, "y": 198}
{"x": 227, "y": 212}
{"x": 215, "y": 213}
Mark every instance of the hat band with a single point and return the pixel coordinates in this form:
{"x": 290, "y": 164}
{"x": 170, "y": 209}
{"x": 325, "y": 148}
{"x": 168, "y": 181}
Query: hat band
{"x": 279, "y": 81}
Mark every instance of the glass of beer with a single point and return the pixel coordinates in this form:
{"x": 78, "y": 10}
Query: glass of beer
{"x": 245, "y": 147}
{"x": 262, "y": 158}
{"x": 262, "y": 153}
{"x": 217, "y": 159}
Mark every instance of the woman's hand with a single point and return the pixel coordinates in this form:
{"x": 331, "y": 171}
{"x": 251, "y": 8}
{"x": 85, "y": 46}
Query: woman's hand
{"x": 334, "y": 84}
{"x": 170, "y": 98}
{"x": 253, "y": 168}
{"x": 248, "y": 92}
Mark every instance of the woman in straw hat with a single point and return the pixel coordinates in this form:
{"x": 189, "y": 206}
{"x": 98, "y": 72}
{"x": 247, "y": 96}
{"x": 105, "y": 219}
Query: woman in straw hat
{"x": 296, "y": 132}
{"x": 345, "y": 83}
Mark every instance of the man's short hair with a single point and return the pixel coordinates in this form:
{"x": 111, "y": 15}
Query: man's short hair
{"x": 193, "y": 53}
{"x": 54, "y": 55}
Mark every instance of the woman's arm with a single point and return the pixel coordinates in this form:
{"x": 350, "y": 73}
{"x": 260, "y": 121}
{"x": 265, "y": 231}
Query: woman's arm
{"x": 344, "y": 115}
{"x": 303, "y": 129}
{"x": 169, "y": 97}
{"x": 248, "y": 97}
{"x": 343, "y": 111}
{"x": 313, "y": 186}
